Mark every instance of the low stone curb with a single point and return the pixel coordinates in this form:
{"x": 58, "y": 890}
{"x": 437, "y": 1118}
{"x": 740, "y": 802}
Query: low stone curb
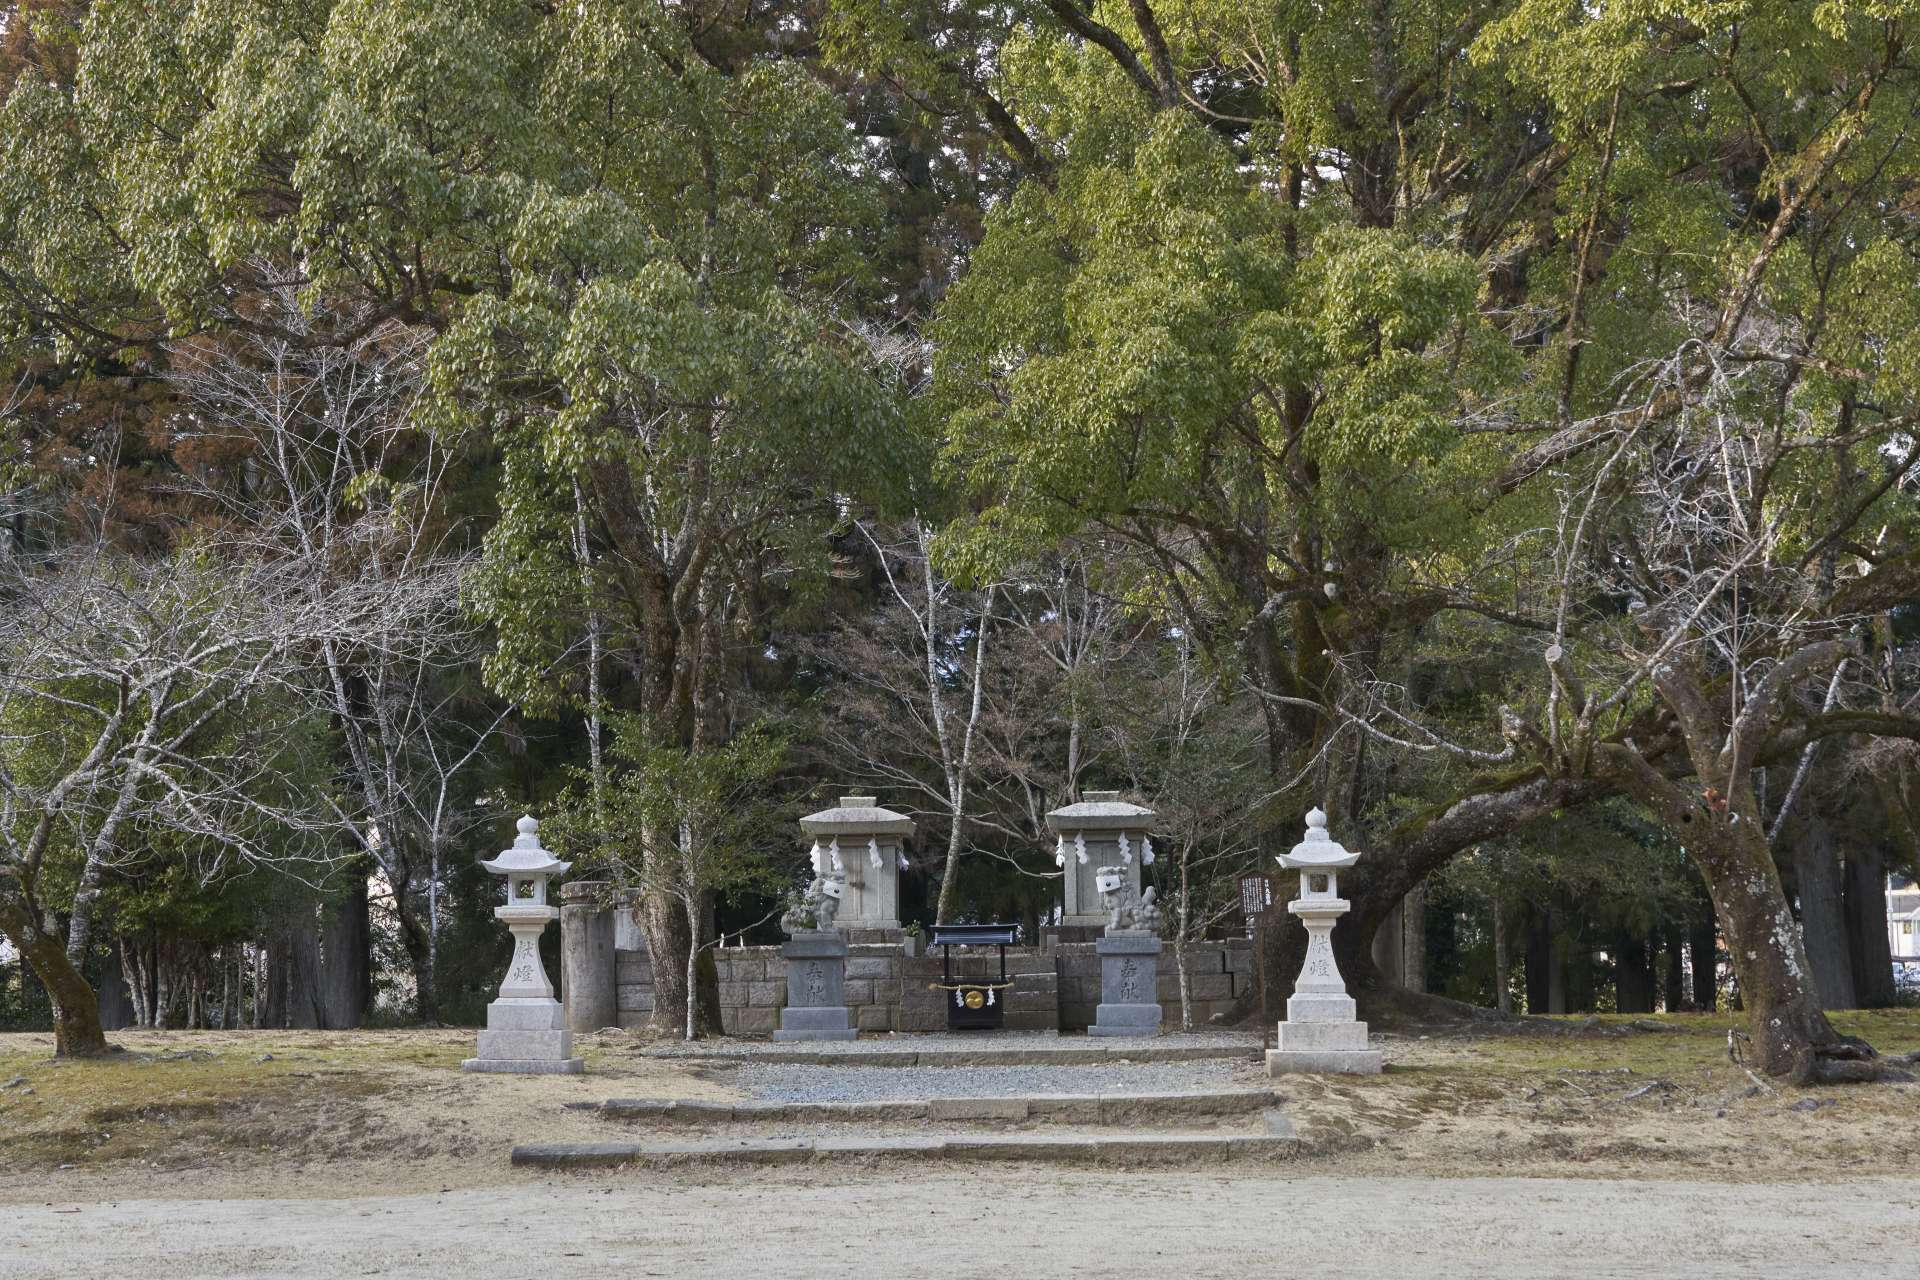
{"x": 1170, "y": 1148}
{"x": 1100, "y": 1108}
{"x": 1140, "y": 1051}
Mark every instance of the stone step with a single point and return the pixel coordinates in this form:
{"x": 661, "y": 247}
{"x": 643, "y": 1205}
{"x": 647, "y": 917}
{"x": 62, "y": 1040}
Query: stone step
{"x": 1171, "y": 1148}
{"x": 1090, "y": 1108}
{"x": 1075, "y": 1052}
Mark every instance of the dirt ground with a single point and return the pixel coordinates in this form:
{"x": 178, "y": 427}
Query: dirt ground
{"x": 291, "y": 1114}
{"x": 166, "y": 1159}
{"x": 993, "y": 1224}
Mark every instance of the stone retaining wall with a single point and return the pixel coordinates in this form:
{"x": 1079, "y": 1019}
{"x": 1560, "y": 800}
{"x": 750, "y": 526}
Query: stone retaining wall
{"x": 1054, "y": 989}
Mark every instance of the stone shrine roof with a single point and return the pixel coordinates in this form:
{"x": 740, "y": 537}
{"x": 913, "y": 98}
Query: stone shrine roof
{"x": 857, "y": 816}
{"x": 1101, "y": 811}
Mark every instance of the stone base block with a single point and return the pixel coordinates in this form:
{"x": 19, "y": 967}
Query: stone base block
{"x": 526, "y": 1015}
{"x": 523, "y": 1046}
{"x": 1319, "y": 1037}
{"x": 528, "y": 1066}
{"x": 1320, "y": 1008}
{"x": 1126, "y": 1020}
{"x": 784, "y": 1034}
{"x": 816, "y": 1022}
{"x": 1349, "y": 1062}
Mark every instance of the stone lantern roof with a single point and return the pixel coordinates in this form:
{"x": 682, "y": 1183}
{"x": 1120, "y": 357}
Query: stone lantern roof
{"x": 526, "y": 856}
{"x": 1319, "y": 851}
{"x": 1101, "y": 811}
{"x": 857, "y": 815}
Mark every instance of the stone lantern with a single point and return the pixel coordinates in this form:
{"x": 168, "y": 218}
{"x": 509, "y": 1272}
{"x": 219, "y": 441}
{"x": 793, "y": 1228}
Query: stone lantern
{"x": 1102, "y": 830}
{"x": 526, "y": 1027}
{"x": 1321, "y": 1033}
{"x": 860, "y": 842}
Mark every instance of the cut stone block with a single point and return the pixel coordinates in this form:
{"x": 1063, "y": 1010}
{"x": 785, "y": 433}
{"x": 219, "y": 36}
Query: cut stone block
{"x": 527, "y": 1066}
{"x": 1364, "y": 1062}
{"x": 1314, "y": 1037}
{"x": 525, "y": 1015}
{"x": 521, "y": 1046}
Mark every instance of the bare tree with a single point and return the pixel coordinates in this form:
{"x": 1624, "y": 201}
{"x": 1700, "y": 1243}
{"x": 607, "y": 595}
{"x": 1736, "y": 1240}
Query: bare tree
{"x": 920, "y": 669}
{"x": 157, "y": 695}
{"x": 319, "y": 453}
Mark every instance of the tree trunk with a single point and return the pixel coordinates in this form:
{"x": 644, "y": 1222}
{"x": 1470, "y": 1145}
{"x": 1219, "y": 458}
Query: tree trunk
{"x": 950, "y": 878}
{"x": 1703, "y": 956}
{"x": 1869, "y": 951}
{"x": 304, "y": 1004}
{"x": 1502, "y": 960}
{"x": 1539, "y": 962}
{"x": 1823, "y": 925}
{"x": 1769, "y": 960}
{"x": 275, "y": 965}
{"x": 417, "y": 940}
{"x": 1559, "y": 952}
{"x": 77, "y": 1032}
{"x": 668, "y": 942}
{"x": 1633, "y": 977}
{"x": 1674, "y": 988}
{"x": 116, "y": 1000}
{"x": 346, "y": 985}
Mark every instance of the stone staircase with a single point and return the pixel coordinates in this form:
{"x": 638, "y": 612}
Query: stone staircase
{"x": 1182, "y": 1127}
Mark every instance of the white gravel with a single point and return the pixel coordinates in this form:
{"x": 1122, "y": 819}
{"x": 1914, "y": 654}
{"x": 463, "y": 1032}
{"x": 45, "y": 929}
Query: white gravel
{"x": 953, "y": 1042}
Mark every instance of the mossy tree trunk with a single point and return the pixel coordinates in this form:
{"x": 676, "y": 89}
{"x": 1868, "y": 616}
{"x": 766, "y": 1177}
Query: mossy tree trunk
{"x": 77, "y": 1032}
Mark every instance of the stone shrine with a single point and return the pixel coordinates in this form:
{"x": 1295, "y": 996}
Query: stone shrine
{"x": 1102, "y": 830}
{"x": 526, "y": 1027}
{"x": 861, "y": 843}
{"x": 1321, "y": 1033}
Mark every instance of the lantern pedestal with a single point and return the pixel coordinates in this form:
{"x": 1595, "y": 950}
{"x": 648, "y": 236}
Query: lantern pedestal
{"x": 1129, "y": 986}
{"x": 816, "y": 988}
{"x": 526, "y": 1027}
{"x": 1320, "y": 1033}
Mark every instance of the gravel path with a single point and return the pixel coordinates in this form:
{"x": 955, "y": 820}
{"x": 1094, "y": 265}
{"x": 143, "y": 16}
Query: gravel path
{"x": 779, "y": 1082}
{"x": 947, "y": 1042}
{"x": 806, "y": 1224}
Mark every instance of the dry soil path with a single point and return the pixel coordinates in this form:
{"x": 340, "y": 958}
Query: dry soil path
{"x": 988, "y": 1222}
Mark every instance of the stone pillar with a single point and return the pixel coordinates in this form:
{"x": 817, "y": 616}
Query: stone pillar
{"x": 1321, "y": 1033}
{"x": 1129, "y": 985}
{"x": 816, "y": 961}
{"x": 586, "y": 955}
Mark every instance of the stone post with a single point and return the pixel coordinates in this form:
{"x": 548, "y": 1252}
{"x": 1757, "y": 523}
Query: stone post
{"x": 1129, "y": 954}
{"x": 816, "y": 1009}
{"x": 586, "y": 955}
{"x": 1320, "y": 1033}
{"x": 1129, "y": 985}
{"x": 1101, "y": 830}
{"x": 526, "y": 1027}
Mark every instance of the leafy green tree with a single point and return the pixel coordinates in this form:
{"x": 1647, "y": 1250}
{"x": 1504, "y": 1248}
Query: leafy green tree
{"x": 684, "y": 825}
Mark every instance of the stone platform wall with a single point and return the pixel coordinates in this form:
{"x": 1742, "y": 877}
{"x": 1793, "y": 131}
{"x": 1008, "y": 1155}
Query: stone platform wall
{"x": 1054, "y": 989}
